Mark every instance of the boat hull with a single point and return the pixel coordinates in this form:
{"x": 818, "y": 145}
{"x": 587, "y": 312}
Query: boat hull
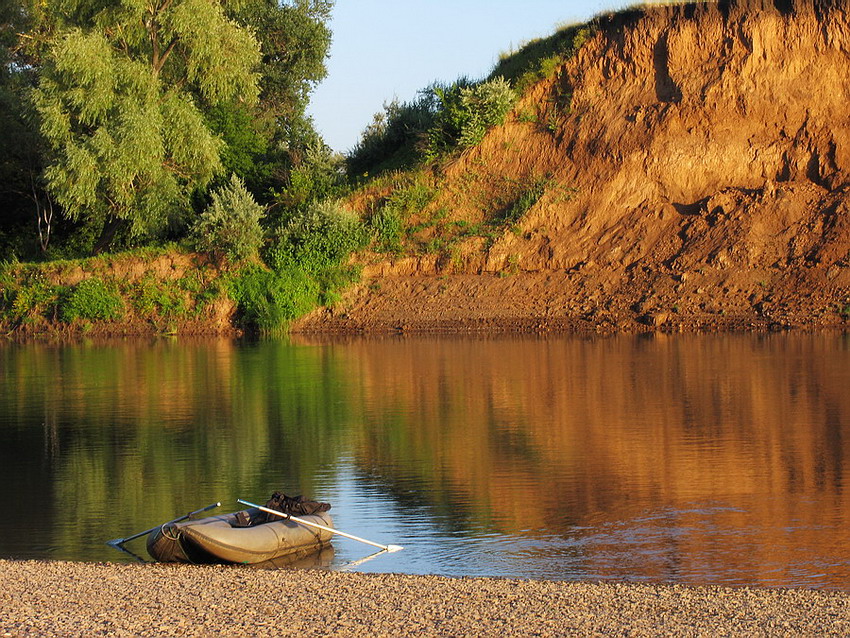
{"x": 220, "y": 539}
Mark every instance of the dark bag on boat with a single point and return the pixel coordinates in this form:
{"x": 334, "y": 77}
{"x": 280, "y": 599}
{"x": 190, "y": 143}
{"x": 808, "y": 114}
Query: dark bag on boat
{"x": 296, "y": 505}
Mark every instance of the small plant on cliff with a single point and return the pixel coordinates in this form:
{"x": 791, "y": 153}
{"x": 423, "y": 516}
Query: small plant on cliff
{"x": 387, "y": 227}
{"x": 527, "y": 198}
{"x": 230, "y": 226}
{"x": 387, "y": 223}
{"x": 92, "y": 299}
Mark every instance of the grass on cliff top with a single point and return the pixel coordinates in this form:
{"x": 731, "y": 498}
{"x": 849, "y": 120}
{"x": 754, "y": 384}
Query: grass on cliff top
{"x": 538, "y": 59}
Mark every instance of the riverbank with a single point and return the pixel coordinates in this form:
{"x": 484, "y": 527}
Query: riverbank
{"x": 91, "y": 599}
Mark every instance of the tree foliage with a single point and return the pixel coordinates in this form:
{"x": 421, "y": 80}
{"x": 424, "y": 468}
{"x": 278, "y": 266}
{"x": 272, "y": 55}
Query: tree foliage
{"x": 274, "y": 135}
{"x": 125, "y": 115}
{"x": 21, "y": 194}
{"x": 121, "y": 98}
{"x": 294, "y": 42}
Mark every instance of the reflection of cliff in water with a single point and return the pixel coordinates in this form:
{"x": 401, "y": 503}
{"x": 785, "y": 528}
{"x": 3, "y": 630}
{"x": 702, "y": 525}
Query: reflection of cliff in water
{"x": 706, "y": 434}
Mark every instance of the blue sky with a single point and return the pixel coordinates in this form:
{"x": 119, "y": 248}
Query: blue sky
{"x": 392, "y": 48}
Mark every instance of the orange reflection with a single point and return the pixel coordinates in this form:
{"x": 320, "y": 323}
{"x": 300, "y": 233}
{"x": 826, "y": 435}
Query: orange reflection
{"x": 541, "y": 436}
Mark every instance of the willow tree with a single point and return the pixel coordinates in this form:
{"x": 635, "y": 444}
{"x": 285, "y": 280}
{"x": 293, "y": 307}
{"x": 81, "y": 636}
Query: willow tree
{"x": 121, "y": 97}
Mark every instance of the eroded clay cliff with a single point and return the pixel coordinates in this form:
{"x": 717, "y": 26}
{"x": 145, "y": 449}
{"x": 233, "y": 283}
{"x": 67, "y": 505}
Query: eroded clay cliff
{"x": 696, "y": 161}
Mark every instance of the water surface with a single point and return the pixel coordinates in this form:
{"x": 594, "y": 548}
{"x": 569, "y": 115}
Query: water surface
{"x": 691, "y": 459}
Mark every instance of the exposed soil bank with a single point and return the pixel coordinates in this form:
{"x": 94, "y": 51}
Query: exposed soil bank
{"x": 76, "y": 599}
{"x": 559, "y": 301}
{"x": 695, "y": 160}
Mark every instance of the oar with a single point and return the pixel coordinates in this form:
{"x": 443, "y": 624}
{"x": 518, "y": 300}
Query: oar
{"x": 115, "y": 542}
{"x": 388, "y": 548}
{"x": 356, "y": 563}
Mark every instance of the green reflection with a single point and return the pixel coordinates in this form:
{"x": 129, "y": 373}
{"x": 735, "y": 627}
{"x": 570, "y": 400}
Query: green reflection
{"x": 110, "y": 439}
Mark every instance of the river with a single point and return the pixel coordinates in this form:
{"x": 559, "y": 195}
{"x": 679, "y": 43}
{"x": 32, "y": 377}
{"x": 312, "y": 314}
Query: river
{"x": 701, "y": 459}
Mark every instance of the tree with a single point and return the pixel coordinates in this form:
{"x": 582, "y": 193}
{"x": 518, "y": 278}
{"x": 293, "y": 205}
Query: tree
{"x": 121, "y": 102}
{"x": 268, "y": 141}
{"x": 23, "y": 203}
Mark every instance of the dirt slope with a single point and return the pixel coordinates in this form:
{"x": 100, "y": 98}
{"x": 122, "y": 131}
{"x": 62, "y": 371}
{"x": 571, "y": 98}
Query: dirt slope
{"x": 695, "y": 161}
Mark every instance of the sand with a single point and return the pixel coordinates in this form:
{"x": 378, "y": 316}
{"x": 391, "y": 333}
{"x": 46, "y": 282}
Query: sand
{"x": 40, "y": 598}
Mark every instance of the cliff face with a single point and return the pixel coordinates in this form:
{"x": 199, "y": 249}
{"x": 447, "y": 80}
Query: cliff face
{"x": 696, "y": 162}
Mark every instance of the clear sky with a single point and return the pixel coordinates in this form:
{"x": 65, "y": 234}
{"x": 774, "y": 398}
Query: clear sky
{"x": 392, "y": 48}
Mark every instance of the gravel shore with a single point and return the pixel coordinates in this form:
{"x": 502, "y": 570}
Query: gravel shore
{"x": 107, "y": 599}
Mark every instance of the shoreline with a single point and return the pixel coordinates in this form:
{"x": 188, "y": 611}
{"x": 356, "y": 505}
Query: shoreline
{"x": 310, "y": 327}
{"x": 54, "y": 598}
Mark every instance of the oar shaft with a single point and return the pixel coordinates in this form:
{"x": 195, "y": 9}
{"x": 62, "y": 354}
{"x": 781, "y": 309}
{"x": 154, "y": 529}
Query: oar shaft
{"x": 121, "y": 541}
{"x": 311, "y": 524}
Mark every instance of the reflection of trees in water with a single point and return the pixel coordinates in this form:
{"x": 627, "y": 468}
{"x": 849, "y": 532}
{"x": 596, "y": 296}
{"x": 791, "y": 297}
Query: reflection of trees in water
{"x": 139, "y": 432}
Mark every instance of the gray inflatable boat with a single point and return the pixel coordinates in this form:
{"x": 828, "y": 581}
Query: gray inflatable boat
{"x": 233, "y": 538}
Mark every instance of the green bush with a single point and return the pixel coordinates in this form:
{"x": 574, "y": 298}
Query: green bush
{"x": 306, "y": 267}
{"x": 467, "y": 111}
{"x": 92, "y": 299}
{"x": 387, "y": 227}
{"x": 319, "y": 174}
{"x": 440, "y": 119}
{"x": 317, "y": 238}
{"x": 25, "y": 294}
{"x": 158, "y": 298}
{"x": 230, "y": 226}
{"x": 269, "y": 299}
{"x": 388, "y": 222}
{"x": 394, "y": 138}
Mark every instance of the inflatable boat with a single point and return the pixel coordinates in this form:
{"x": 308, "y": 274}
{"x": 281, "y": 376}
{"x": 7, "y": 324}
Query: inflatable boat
{"x": 238, "y": 537}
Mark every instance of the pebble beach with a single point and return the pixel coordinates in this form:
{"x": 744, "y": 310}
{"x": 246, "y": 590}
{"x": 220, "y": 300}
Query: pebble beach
{"x": 43, "y": 598}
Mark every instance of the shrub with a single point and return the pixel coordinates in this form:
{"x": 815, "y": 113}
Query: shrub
{"x": 388, "y": 222}
{"x": 394, "y": 138}
{"x": 25, "y": 294}
{"x": 387, "y": 227}
{"x": 306, "y": 267}
{"x": 159, "y": 298}
{"x": 467, "y": 112}
{"x": 269, "y": 299}
{"x": 230, "y": 226}
{"x": 318, "y": 174}
{"x": 92, "y": 299}
{"x": 319, "y": 237}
